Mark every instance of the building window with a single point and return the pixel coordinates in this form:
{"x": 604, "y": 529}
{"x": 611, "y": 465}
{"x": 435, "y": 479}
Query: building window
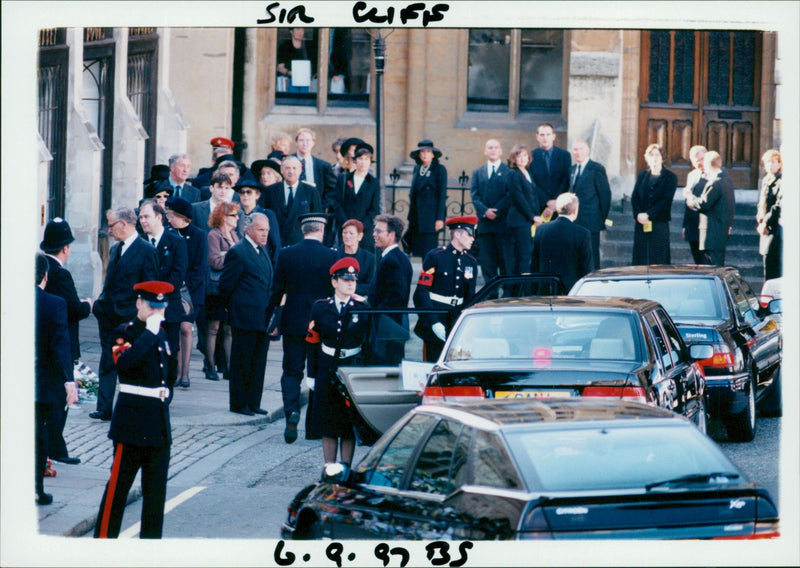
{"x": 338, "y": 58}
{"x": 515, "y": 70}
{"x": 142, "y": 82}
{"x": 52, "y": 112}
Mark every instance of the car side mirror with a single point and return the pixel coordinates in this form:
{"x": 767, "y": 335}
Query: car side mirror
{"x": 335, "y": 473}
{"x": 775, "y": 306}
{"x": 699, "y": 352}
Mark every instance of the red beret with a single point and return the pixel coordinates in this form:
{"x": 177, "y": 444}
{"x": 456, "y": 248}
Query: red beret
{"x": 464, "y": 222}
{"x": 220, "y": 141}
{"x": 154, "y": 292}
{"x": 346, "y": 268}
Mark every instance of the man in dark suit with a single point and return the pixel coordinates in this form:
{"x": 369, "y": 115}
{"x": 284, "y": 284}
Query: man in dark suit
{"x": 140, "y": 427}
{"x": 173, "y": 262}
{"x": 302, "y": 276}
{"x": 588, "y": 180}
{"x": 492, "y": 201}
{"x": 289, "y": 199}
{"x": 316, "y": 172}
{"x": 57, "y": 248}
{"x": 246, "y": 282}
{"x": 549, "y": 168}
{"x": 180, "y": 166}
{"x": 221, "y": 190}
{"x": 131, "y": 260}
{"x": 54, "y": 383}
{"x": 716, "y": 205}
{"x": 391, "y": 288}
{"x": 562, "y": 246}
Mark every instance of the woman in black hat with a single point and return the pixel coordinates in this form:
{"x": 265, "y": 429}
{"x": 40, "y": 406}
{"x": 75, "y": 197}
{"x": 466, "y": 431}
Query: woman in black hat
{"x": 358, "y": 196}
{"x": 266, "y": 172}
{"x": 428, "y": 199}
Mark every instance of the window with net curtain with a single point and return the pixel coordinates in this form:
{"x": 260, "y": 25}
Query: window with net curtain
{"x": 540, "y": 65}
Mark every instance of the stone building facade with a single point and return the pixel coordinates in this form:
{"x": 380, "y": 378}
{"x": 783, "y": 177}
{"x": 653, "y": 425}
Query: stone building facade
{"x": 166, "y": 90}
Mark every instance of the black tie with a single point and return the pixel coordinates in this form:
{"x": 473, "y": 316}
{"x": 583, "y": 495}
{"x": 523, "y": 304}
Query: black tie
{"x": 153, "y": 240}
{"x": 118, "y": 254}
{"x": 177, "y": 191}
{"x": 494, "y": 169}
{"x": 577, "y": 174}
{"x": 290, "y": 200}
{"x": 547, "y": 161}
{"x": 302, "y": 169}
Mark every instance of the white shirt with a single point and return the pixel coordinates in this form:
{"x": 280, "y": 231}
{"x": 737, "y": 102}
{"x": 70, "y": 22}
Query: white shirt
{"x": 286, "y": 189}
{"x": 387, "y": 249}
{"x": 127, "y": 242}
{"x": 357, "y": 181}
{"x": 252, "y": 242}
{"x": 157, "y": 237}
{"x": 490, "y": 164}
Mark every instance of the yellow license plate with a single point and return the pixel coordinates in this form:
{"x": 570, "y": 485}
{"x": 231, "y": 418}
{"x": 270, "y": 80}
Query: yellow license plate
{"x": 534, "y": 394}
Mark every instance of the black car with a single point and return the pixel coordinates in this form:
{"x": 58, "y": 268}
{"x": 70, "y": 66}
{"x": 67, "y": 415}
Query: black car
{"x": 545, "y": 347}
{"x": 536, "y": 469}
{"x": 712, "y": 306}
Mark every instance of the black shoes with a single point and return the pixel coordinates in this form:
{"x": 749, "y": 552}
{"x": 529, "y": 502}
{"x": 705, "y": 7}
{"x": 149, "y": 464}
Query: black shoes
{"x": 43, "y": 498}
{"x": 290, "y": 433}
{"x": 245, "y": 411}
{"x": 259, "y": 410}
{"x": 183, "y": 383}
{"x": 97, "y": 415}
{"x": 211, "y": 374}
{"x": 67, "y": 460}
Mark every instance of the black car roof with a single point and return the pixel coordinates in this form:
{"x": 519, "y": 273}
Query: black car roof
{"x": 662, "y": 271}
{"x": 569, "y": 302}
{"x": 526, "y": 411}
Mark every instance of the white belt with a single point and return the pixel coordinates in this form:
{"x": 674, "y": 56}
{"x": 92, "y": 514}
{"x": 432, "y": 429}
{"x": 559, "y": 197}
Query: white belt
{"x": 343, "y": 353}
{"x": 155, "y": 392}
{"x": 451, "y": 300}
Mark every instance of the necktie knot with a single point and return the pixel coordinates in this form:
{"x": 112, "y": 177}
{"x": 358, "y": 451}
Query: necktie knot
{"x": 153, "y": 241}
{"x": 177, "y": 191}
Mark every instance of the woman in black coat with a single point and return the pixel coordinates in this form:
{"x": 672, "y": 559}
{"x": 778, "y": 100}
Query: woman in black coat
{"x": 358, "y": 196}
{"x": 652, "y": 206}
{"x": 524, "y": 207}
{"x": 427, "y": 199}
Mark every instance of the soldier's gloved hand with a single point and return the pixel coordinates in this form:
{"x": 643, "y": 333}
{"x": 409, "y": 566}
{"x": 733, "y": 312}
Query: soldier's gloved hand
{"x": 153, "y": 322}
{"x": 439, "y": 331}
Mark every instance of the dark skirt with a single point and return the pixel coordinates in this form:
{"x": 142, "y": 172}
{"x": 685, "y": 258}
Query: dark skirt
{"x": 652, "y": 247}
{"x": 330, "y": 417}
{"x": 216, "y": 309}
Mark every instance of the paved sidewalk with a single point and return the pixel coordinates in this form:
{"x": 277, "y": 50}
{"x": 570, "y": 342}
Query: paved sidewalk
{"x": 201, "y": 426}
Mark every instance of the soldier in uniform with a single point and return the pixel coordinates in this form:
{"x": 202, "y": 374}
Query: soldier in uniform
{"x": 330, "y": 416}
{"x": 140, "y": 426}
{"x": 447, "y": 280}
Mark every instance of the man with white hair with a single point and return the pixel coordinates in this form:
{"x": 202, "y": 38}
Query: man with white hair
{"x": 562, "y": 246}
{"x": 290, "y": 199}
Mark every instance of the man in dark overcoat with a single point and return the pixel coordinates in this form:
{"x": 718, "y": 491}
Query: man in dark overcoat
{"x": 55, "y": 386}
{"x": 131, "y": 260}
{"x": 549, "y": 168}
{"x": 246, "y": 282}
{"x": 289, "y": 199}
{"x": 588, "y": 180}
{"x": 302, "y": 276}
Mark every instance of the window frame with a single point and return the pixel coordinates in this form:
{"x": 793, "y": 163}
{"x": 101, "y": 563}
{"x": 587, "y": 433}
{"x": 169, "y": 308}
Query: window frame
{"x": 513, "y": 118}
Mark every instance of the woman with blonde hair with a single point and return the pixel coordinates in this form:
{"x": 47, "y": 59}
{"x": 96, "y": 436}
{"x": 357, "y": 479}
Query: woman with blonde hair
{"x": 651, "y": 200}
{"x": 768, "y": 215}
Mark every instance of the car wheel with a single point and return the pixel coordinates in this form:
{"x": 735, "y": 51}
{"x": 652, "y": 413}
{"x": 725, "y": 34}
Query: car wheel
{"x": 701, "y": 416}
{"x": 772, "y": 404}
{"x": 742, "y": 427}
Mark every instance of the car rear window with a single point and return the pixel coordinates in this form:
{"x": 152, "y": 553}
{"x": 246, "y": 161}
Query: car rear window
{"x": 683, "y": 298}
{"x": 546, "y": 335}
{"x": 613, "y": 458}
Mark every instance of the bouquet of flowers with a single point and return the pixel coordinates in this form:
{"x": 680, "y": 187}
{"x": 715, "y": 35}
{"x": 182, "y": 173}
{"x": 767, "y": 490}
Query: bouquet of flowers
{"x": 86, "y": 381}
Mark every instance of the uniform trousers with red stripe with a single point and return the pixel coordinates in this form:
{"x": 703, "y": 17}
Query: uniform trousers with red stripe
{"x": 128, "y": 459}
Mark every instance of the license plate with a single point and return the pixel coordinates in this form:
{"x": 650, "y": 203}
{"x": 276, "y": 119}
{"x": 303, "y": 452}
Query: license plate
{"x": 534, "y": 394}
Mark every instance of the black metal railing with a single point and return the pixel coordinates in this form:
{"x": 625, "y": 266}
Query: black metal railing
{"x": 459, "y": 200}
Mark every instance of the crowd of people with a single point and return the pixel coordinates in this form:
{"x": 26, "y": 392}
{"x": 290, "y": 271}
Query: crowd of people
{"x": 284, "y": 249}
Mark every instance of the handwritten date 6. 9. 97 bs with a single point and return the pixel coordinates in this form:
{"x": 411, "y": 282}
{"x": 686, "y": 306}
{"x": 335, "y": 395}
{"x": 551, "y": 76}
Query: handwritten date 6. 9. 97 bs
{"x": 362, "y": 12}
{"x": 437, "y": 553}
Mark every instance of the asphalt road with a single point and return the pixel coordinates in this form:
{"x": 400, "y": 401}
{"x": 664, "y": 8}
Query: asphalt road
{"x": 246, "y": 498}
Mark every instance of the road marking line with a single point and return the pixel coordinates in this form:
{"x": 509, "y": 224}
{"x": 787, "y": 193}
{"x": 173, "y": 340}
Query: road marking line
{"x": 168, "y": 506}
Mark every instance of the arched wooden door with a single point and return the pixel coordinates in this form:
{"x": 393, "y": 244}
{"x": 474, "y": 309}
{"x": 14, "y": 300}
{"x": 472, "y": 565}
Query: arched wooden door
{"x": 702, "y": 87}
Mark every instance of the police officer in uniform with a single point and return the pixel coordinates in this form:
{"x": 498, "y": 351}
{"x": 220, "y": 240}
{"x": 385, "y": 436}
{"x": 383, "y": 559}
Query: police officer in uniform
{"x": 446, "y": 281}
{"x": 330, "y": 415}
{"x": 140, "y": 426}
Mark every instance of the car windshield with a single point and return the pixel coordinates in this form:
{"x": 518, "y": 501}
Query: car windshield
{"x": 683, "y": 298}
{"x": 544, "y": 335}
{"x": 614, "y": 458}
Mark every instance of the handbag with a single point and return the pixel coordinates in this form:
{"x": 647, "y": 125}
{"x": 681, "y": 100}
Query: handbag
{"x": 212, "y": 282}
{"x": 186, "y": 301}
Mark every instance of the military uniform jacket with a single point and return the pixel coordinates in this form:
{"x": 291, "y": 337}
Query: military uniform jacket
{"x": 449, "y": 273}
{"x": 141, "y": 360}
{"x": 325, "y": 327}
